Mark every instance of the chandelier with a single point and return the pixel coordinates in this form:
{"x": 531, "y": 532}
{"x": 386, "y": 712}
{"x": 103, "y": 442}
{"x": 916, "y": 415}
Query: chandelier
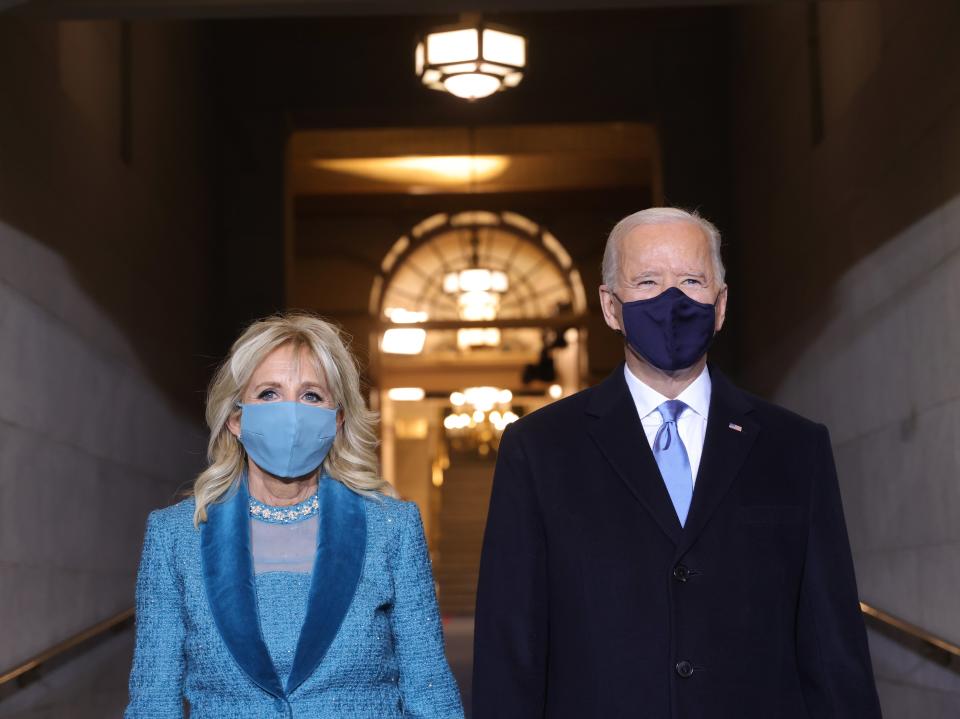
{"x": 478, "y": 417}
{"x": 471, "y": 59}
{"x": 477, "y": 290}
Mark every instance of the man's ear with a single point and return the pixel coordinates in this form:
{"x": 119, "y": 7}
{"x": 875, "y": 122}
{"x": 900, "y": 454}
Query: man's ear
{"x": 721, "y": 308}
{"x": 610, "y": 308}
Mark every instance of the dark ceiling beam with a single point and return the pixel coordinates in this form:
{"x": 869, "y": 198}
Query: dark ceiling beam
{"x": 134, "y": 9}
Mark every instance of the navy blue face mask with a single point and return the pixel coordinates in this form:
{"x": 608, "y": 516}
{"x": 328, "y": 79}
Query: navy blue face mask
{"x": 670, "y": 331}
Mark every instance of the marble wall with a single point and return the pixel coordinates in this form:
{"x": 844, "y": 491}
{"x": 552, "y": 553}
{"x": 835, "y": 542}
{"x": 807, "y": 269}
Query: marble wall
{"x": 847, "y": 287}
{"x": 884, "y": 374}
{"x": 102, "y": 247}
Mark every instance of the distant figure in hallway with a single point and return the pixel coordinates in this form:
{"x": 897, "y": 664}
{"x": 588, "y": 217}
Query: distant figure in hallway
{"x": 290, "y": 583}
{"x": 664, "y": 545}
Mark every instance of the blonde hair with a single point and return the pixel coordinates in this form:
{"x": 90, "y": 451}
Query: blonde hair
{"x": 353, "y": 457}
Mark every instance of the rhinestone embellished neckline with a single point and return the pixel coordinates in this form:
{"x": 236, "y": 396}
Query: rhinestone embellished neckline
{"x": 284, "y": 515}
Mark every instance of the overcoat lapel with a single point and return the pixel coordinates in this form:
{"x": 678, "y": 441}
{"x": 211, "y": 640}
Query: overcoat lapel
{"x": 228, "y": 578}
{"x": 618, "y": 433}
{"x": 724, "y": 450}
{"x": 341, "y": 550}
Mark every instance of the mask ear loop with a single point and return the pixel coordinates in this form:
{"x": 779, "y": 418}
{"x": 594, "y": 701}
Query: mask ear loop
{"x": 619, "y": 332}
{"x": 237, "y": 405}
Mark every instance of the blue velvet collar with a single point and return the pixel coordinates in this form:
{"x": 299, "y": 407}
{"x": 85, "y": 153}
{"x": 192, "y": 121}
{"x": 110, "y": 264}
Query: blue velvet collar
{"x": 229, "y": 580}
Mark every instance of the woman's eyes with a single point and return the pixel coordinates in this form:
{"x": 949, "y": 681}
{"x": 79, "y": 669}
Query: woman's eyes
{"x": 268, "y": 395}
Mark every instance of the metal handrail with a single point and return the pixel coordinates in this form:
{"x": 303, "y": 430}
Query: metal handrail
{"x": 97, "y": 630}
{"x": 947, "y": 650}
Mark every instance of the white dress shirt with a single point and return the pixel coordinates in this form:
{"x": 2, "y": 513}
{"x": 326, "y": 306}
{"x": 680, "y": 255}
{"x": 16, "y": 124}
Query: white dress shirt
{"x": 692, "y": 423}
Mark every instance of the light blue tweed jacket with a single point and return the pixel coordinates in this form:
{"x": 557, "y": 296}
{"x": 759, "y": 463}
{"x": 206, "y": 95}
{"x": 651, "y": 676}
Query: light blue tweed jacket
{"x": 210, "y": 632}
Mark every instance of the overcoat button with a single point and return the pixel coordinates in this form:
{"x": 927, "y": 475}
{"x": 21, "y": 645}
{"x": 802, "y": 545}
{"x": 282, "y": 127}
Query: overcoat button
{"x": 685, "y": 669}
{"x": 681, "y": 573}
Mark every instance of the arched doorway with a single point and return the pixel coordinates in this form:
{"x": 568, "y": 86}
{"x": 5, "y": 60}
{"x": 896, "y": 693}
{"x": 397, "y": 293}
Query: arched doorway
{"x": 479, "y": 320}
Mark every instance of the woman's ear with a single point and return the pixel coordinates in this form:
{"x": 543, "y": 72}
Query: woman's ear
{"x": 339, "y": 419}
{"x": 233, "y": 422}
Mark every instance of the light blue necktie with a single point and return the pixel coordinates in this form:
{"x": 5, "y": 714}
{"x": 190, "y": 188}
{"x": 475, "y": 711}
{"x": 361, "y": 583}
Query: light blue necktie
{"x": 672, "y": 458}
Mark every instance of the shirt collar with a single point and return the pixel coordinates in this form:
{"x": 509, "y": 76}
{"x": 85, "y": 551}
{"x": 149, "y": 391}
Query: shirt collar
{"x": 696, "y": 396}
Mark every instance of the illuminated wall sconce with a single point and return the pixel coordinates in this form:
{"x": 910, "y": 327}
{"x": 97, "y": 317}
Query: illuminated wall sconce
{"x": 471, "y": 59}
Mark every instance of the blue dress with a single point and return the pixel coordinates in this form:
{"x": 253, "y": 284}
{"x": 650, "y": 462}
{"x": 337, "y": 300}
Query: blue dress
{"x": 359, "y": 637}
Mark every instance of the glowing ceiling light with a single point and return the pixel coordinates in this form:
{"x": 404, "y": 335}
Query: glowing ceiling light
{"x": 419, "y": 169}
{"x": 555, "y": 391}
{"x": 402, "y": 316}
{"x": 471, "y": 60}
{"x": 403, "y": 341}
{"x": 406, "y": 394}
{"x": 476, "y": 306}
{"x": 471, "y": 337}
{"x": 483, "y": 398}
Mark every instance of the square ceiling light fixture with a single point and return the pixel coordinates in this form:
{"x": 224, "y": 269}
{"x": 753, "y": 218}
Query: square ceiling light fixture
{"x": 471, "y": 59}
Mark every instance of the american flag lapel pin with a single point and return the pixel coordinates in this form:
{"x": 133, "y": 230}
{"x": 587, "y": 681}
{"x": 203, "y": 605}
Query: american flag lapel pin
{"x": 735, "y": 427}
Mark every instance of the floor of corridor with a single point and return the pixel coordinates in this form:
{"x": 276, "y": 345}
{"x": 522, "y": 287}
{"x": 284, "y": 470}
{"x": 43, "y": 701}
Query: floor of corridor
{"x": 459, "y": 637}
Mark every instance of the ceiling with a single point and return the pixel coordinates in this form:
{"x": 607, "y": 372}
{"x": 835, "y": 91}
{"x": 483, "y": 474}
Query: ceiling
{"x": 280, "y": 8}
{"x": 456, "y": 160}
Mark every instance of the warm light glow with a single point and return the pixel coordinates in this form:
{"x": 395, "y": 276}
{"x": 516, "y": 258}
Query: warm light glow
{"x": 451, "y": 283}
{"x": 478, "y": 416}
{"x": 555, "y": 391}
{"x": 403, "y": 341}
{"x": 483, "y": 398}
{"x": 456, "y": 61}
{"x": 504, "y": 396}
{"x": 471, "y": 337}
{"x": 452, "y": 46}
{"x": 477, "y": 306}
{"x": 406, "y": 394}
{"x": 419, "y": 58}
{"x": 402, "y": 316}
{"x": 476, "y": 279}
{"x": 457, "y": 399}
{"x": 472, "y": 85}
{"x": 411, "y": 427}
{"x": 504, "y": 47}
{"x": 419, "y": 169}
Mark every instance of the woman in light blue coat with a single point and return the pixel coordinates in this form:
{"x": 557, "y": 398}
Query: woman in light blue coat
{"x": 290, "y": 584}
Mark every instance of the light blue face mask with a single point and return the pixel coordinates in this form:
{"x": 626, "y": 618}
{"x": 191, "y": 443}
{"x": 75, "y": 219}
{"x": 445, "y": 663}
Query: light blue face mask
{"x": 287, "y": 439}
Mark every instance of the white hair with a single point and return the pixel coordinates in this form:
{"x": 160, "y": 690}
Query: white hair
{"x": 657, "y": 216}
